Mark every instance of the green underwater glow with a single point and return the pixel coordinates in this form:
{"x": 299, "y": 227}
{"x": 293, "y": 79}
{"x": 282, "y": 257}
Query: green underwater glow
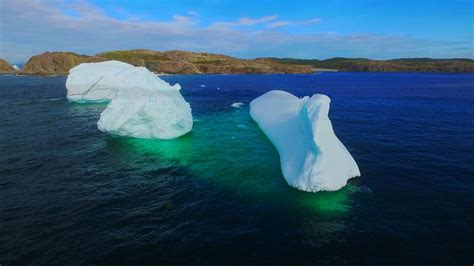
{"x": 229, "y": 150}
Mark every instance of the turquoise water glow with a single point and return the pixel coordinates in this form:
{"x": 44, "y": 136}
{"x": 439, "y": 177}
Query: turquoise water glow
{"x": 229, "y": 150}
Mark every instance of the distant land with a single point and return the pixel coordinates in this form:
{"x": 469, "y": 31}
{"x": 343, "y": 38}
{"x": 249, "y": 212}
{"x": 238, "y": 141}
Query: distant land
{"x": 462, "y": 65}
{"x": 184, "y": 62}
{"x": 169, "y": 62}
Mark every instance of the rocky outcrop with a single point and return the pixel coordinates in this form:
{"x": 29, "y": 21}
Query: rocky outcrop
{"x": 5, "y": 67}
{"x": 55, "y": 63}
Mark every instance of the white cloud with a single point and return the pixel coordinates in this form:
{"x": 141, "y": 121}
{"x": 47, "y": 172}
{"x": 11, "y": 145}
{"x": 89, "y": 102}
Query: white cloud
{"x": 278, "y": 24}
{"x": 312, "y": 21}
{"x": 193, "y": 13}
{"x": 250, "y": 21}
{"x": 245, "y": 21}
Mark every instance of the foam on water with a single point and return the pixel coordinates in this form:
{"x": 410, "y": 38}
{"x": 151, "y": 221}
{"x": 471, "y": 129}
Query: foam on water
{"x": 237, "y": 105}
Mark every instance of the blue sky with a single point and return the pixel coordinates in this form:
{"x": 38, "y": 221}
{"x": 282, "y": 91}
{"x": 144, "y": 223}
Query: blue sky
{"x": 247, "y": 29}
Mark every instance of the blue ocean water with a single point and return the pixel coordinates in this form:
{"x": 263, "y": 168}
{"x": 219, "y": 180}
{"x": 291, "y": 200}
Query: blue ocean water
{"x": 70, "y": 194}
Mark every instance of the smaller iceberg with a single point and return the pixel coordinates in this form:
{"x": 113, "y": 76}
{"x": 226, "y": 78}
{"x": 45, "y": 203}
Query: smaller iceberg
{"x": 141, "y": 105}
{"x": 312, "y": 157}
{"x": 16, "y": 67}
{"x": 140, "y": 113}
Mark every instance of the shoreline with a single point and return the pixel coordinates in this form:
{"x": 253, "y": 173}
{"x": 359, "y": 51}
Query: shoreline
{"x": 224, "y": 74}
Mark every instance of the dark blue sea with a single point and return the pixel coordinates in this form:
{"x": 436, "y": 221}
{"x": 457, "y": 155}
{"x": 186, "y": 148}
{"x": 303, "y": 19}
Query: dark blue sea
{"x": 72, "y": 195}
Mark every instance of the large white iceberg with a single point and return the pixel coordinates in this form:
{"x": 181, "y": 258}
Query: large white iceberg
{"x": 312, "y": 157}
{"x": 141, "y": 104}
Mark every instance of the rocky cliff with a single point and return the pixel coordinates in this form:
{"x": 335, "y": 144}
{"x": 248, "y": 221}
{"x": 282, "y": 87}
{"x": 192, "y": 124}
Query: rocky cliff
{"x": 170, "y": 62}
{"x": 5, "y": 67}
{"x": 55, "y": 63}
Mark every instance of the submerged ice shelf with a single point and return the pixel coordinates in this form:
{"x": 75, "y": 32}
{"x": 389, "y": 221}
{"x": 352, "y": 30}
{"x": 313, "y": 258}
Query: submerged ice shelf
{"x": 141, "y": 104}
{"x": 312, "y": 157}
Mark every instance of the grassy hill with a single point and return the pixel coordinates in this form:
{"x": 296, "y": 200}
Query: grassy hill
{"x": 55, "y": 63}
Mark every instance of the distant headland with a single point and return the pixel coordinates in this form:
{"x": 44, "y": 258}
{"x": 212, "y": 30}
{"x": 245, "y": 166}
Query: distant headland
{"x": 184, "y": 62}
